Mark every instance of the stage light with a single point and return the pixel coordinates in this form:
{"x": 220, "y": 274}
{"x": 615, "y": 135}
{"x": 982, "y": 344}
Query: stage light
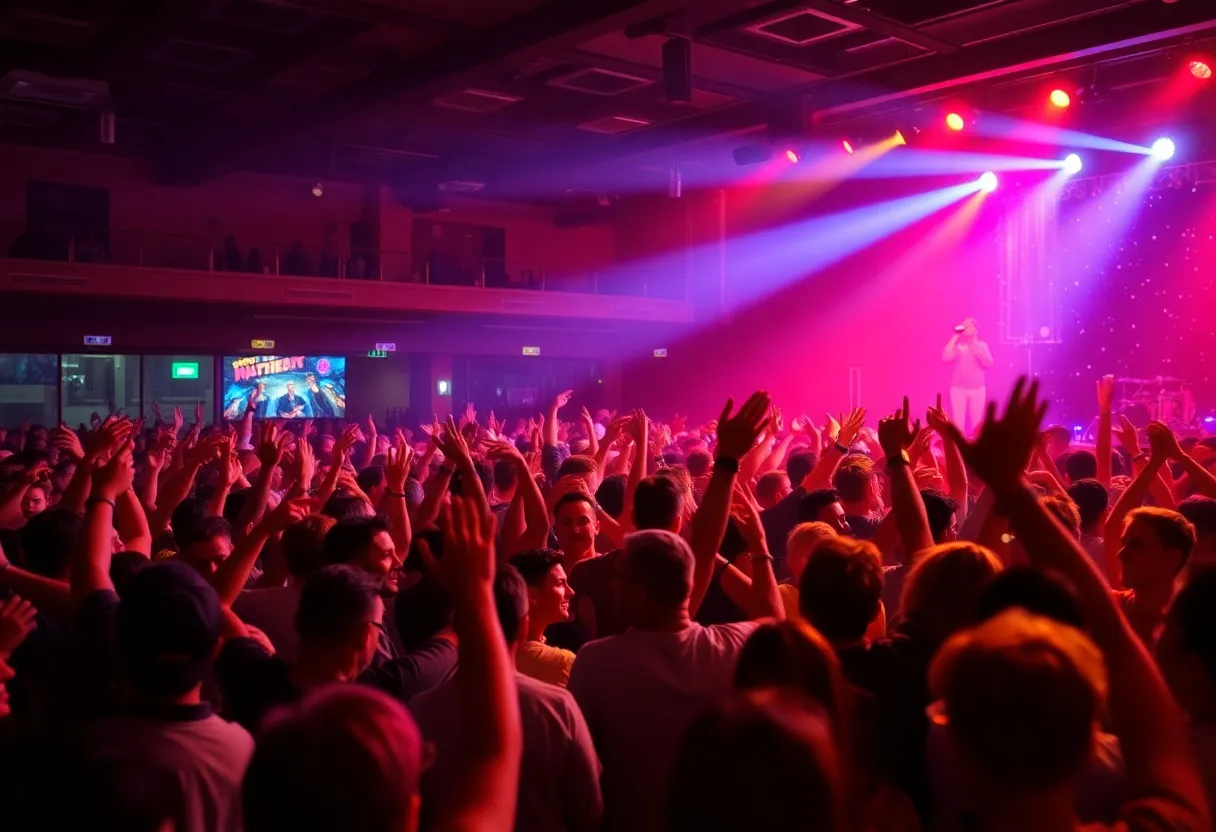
{"x": 1201, "y": 70}
{"x": 1060, "y": 99}
{"x": 318, "y": 189}
{"x": 848, "y": 146}
{"x": 792, "y": 155}
{"x": 1072, "y": 163}
{"x": 955, "y": 122}
{"x": 988, "y": 182}
{"x": 899, "y": 138}
{"x": 1163, "y": 149}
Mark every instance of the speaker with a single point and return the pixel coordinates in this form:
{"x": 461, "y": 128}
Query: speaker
{"x": 677, "y": 70}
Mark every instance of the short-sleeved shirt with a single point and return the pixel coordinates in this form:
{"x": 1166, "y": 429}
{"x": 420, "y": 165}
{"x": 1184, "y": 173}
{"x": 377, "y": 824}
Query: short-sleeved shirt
{"x": 593, "y": 580}
{"x": 273, "y": 611}
{"x": 639, "y": 692}
{"x": 252, "y": 682}
{"x": 429, "y": 665}
{"x": 559, "y": 777}
{"x": 540, "y": 661}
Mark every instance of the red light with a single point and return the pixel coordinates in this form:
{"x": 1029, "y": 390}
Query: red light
{"x": 1201, "y": 70}
{"x": 792, "y": 156}
{"x": 1060, "y": 99}
{"x": 847, "y": 145}
{"x": 955, "y": 122}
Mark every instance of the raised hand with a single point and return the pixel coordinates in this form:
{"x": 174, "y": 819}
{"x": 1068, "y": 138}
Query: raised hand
{"x": 305, "y": 464}
{"x": 397, "y": 464}
{"x": 114, "y": 477}
{"x": 161, "y": 452}
{"x": 272, "y": 444}
{"x": 850, "y": 426}
{"x": 17, "y": 620}
{"x": 494, "y": 426}
{"x": 198, "y": 413}
{"x": 466, "y": 569}
{"x": 562, "y": 399}
{"x": 350, "y": 435}
{"x": 832, "y": 428}
{"x": 68, "y": 442}
{"x": 178, "y": 420}
{"x": 1162, "y": 442}
{"x": 1003, "y": 447}
{"x": 920, "y": 445}
{"x": 936, "y": 418}
{"x": 746, "y": 513}
{"x": 897, "y": 432}
{"x": 288, "y": 512}
{"x": 230, "y": 468}
{"x": 452, "y": 444}
{"x": 208, "y": 449}
{"x": 738, "y": 434}
{"x": 617, "y": 427}
{"x": 1129, "y": 436}
{"x": 470, "y": 415}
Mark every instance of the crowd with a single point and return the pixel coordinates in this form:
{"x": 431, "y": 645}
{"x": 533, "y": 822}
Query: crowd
{"x": 601, "y": 621}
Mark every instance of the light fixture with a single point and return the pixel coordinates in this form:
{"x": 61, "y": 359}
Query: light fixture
{"x": 792, "y": 156}
{"x": 1163, "y": 149}
{"x": 1059, "y": 99}
{"x": 1201, "y": 69}
{"x": 988, "y": 182}
{"x": 848, "y": 146}
{"x": 955, "y": 122}
{"x": 899, "y": 139}
{"x": 1072, "y": 163}
{"x": 318, "y": 189}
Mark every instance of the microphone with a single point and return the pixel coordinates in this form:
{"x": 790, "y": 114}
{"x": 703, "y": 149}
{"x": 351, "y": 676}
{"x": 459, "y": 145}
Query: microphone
{"x": 960, "y": 329}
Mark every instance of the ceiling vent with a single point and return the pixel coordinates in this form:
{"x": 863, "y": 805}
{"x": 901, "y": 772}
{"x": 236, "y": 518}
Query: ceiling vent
{"x": 612, "y": 125}
{"x": 802, "y": 27}
{"x": 201, "y": 57}
{"x": 600, "y": 82}
{"x": 83, "y": 93}
{"x": 476, "y": 101}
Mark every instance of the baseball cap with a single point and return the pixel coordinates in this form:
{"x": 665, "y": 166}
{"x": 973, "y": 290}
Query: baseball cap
{"x": 168, "y": 624}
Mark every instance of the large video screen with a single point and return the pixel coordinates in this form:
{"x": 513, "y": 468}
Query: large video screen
{"x": 292, "y": 386}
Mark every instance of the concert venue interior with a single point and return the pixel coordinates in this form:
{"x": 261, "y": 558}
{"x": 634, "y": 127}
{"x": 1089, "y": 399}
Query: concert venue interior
{"x": 649, "y": 202}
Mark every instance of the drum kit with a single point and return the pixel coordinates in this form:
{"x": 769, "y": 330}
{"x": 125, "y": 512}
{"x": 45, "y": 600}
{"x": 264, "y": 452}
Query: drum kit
{"x": 1161, "y": 399}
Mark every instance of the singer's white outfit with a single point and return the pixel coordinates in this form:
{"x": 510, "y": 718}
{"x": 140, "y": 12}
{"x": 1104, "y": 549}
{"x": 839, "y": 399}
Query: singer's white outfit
{"x": 968, "y": 395}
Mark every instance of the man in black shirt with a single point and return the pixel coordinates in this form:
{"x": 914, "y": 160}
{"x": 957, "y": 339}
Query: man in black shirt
{"x": 290, "y": 406}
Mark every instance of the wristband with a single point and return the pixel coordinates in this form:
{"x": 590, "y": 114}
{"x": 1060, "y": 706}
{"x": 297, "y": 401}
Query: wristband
{"x": 106, "y": 500}
{"x": 900, "y": 459}
{"x": 397, "y": 494}
{"x": 844, "y": 449}
{"x": 725, "y": 463}
{"x": 446, "y": 471}
{"x": 1139, "y": 457}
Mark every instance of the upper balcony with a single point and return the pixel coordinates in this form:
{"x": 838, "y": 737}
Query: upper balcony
{"x": 166, "y": 267}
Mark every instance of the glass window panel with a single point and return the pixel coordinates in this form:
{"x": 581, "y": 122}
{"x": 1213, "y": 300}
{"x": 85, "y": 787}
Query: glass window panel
{"x": 27, "y": 389}
{"x": 101, "y": 384}
{"x": 179, "y": 381}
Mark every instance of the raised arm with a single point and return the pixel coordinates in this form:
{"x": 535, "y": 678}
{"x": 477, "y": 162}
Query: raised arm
{"x": 1148, "y": 723}
{"x": 535, "y": 516}
{"x": 483, "y": 794}
{"x": 736, "y": 435}
{"x": 639, "y": 427}
{"x": 1131, "y": 498}
{"x": 232, "y": 575}
{"x": 896, "y": 433}
{"x": 821, "y": 474}
{"x": 393, "y": 504}
{"x": 1106, "y": 395}
{"x": 950, "y": 352}
{"x": 763, "y": 599}
{"x": 956, "y": 469}
{"x": 90, "y": 564}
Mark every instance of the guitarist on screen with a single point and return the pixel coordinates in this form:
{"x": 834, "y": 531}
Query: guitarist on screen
{"x": 290, "y": 406}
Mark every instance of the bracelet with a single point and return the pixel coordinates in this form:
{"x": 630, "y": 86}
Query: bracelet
{"x": 899, "y": 459}
{"x": 446, "y": 471}
{"x": 844, "y": 449}
{"x": 725, "y": 463}
{"x": 1139, "y": 457}
{"x": 764, "y": 556}
{"x": 398, "y": 494}
{"x": 95, "y": 500}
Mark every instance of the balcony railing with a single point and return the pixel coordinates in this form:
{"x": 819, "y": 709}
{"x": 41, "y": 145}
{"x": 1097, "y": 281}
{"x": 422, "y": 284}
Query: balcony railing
{"x": 120, "y": 247}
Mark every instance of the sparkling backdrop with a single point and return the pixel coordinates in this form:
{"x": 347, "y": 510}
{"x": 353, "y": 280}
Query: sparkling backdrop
{"x": 1138, "y": 304}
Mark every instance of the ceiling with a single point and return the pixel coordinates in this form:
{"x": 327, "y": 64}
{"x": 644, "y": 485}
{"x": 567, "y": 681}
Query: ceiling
{"x": 417, "y": 92}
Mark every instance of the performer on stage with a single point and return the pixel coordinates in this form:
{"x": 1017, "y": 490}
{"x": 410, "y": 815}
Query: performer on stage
{"x": 290, "y": 406}
{"x": 971, "y": 357}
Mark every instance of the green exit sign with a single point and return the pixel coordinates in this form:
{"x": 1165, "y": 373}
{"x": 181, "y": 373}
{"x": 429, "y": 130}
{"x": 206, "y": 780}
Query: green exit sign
{"x": 184, "y": 369}
{"x": 377, "y": 353}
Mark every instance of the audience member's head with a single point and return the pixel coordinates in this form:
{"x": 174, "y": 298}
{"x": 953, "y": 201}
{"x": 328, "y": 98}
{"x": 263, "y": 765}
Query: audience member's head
{"x": 303, "y": 545}
{"x": 343, "y": 506}
{"x": 346, "y": 757}
{"x": 1156, "y": 545}
{"x": 942, "y": 511}
{"x": 1064, "y": 510}
{"x": 840, "y": 593}
{"x": 1020, "y": 696}
{"x": 207, "y": 544}
{"x": 772, "y": 488}
{"x": 1201, "y": 512}
{"x": 793, "y": 655}
{"x": 340, "y": 616}
{"x": 611, "y": 495}
{"x": 658, "y": 503}
{"x": 699, "y": 463}
{"x": 422, "y": 610}
{"x": 576, "y": 524}
{"x": 1091, "y": 500}
{"x": 786, "y": 772}
{"x": 801, "y": 544}
{"x": 188, "y": 512}
{"x": 511, "y": 600}
{"x": 941, "y": 590}
{"x": 799, "y": 464}
{"x": 47, "y": 541}
{"x": 823, "y": 505}
{"x": 167, "y": 629}
{"x": 857, "y": 484}
{"x": 582, "y": 467}
{"x": 1080, "y": 465}
{"x": 364, "y": 542}
{"x": 371, "y": 480}
{"x": 548, "y": 593}
{"x": 655, "y": 578}
{"x": 36, "y": 500}
{"x": 1039, "y": 591}
{"x": 504, "y": 479}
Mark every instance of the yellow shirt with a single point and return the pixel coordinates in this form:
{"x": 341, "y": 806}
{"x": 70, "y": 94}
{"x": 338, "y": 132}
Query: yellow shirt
{"x": 789, "y": 600}
{"x": 540, "y": 661}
